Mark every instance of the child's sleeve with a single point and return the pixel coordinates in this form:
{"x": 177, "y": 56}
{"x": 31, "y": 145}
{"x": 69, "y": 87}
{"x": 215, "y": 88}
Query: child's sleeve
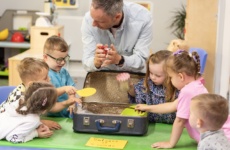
{"x": 69, "y": 79}
{"x": 23, "y": 133}
{"x": 140, "y": 96}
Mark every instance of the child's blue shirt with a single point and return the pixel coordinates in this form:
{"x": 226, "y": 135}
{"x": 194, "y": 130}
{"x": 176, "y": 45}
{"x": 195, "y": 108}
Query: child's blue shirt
{"x": 59, "y": 79}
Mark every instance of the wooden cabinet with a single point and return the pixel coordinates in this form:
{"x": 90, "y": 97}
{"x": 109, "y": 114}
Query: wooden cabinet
{"x": 201, "y": 31}
{"x": 38, "y": 38}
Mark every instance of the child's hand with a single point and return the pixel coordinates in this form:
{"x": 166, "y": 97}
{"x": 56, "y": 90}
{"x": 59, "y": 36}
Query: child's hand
{"x": 52, "y": 125}
{"x": 162, "y": 145}
{"x": 124, "y": 81}
{"x": 73, "y": 100}
{"x": 70, "y": 90}
{"x": 141, "y": 107}
{"x": 44, "y": 131}
{"x": 71, "y": 109}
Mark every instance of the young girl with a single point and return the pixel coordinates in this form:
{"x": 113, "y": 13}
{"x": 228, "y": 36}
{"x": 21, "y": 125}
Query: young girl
{"x": 208, "y": 113}
{"x": 20, "y": 122}
{"x": 155, "y": 88}
{"x": 183, "y": 68}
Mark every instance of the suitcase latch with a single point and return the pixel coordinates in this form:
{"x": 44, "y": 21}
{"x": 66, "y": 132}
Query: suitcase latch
{"x": 86, "y": 121}
{"x": 130, "y": 123}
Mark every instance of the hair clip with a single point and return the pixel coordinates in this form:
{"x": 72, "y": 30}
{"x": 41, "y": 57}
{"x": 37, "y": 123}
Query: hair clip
{"x": 44, "y": 102}
{"x": 194, "y": 58}
{"x": 178, "y": 52}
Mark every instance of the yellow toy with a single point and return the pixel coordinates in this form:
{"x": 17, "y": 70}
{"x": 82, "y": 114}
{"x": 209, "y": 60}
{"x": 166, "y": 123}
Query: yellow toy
{"x": 178, "y": 44}
{"x": 4, "y": 34}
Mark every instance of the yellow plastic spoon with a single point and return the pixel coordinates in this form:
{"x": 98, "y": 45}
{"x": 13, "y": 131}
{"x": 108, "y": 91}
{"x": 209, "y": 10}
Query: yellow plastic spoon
{"x": 86, "y": 92}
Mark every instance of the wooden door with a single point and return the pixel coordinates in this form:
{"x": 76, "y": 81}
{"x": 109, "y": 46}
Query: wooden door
{"x": 201, "y": 31}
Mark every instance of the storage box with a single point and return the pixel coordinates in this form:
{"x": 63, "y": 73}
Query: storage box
{"x": 102, "y": 112}
{"x": 40, "y": 34}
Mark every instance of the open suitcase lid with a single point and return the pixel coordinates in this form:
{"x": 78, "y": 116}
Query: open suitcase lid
{"x": 107, "y": 87}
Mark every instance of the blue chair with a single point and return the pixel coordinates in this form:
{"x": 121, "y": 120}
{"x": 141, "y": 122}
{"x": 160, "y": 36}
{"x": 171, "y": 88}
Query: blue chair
{"x": 203, "y": 57}
{"x": 5, "y": 91}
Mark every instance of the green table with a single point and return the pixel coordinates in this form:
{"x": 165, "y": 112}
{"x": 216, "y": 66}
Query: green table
{"x": 68, "y": 140}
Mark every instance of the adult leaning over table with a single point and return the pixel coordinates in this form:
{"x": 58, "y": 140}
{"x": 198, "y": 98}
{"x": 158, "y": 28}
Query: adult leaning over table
{"x": 116, "y": 36}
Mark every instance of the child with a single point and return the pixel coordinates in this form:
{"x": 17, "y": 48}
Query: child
{"x": 30, "y": 70}
{"x": 154, "y": 88}
{"x": 208, "y": 113}
{"x": 183, "y": 68}
{"x": 20, "y": 122}
{"x": 55, "y": 54}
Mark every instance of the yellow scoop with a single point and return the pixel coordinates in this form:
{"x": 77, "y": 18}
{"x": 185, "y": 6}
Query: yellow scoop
{"x": 130, "y": 111}
{"x": 86, "y": 92}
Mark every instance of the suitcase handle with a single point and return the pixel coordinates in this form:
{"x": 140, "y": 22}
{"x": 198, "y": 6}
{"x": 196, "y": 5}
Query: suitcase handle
{"x": 108, "y": 129}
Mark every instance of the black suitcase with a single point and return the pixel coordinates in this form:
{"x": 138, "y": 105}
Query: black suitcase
{"x": 101, "y": 112}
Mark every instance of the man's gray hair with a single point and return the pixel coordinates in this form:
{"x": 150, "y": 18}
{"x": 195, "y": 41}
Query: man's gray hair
{"x": 110, "y": 7}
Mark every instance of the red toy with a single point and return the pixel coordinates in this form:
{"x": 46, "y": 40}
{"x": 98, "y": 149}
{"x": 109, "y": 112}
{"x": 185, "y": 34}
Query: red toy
{"x": 17, "y": 37}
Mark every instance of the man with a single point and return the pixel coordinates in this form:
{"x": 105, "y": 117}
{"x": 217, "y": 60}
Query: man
{"x": 124, "y": 27}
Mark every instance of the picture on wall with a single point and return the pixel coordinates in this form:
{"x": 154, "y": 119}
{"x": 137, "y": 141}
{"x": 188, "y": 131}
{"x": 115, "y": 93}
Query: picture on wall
{"x": 146, "y": 4}
{"x": 66, "y": 3}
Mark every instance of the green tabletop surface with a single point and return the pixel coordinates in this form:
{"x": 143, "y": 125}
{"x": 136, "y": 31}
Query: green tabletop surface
{"x": 66, "y": 139}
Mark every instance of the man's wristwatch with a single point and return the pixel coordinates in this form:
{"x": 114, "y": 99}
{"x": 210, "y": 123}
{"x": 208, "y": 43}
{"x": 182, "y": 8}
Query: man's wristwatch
{"x": 121, "y": 62}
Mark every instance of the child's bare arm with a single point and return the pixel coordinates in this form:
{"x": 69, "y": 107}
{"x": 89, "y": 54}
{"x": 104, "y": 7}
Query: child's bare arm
{"x": 66, "y": 89}
{"x": 51, "y": 124}
{"x": 64, "y": 104}
{"x": 164, "y": 108}
{"x": 177, "y": 130}
{"x": 131, "y": 90}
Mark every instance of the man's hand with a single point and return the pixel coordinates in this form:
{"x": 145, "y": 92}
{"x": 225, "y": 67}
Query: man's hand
{"x": 112, "y": 57}
{"x": 99, "y": 55}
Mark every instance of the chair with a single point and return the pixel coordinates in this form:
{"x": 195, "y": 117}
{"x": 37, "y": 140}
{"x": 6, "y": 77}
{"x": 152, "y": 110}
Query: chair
{"x": 5, "y": 91}
{"x": 203, "y": 57}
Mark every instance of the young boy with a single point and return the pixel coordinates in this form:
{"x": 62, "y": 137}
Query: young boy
{"x": 32, "y": 69}
{"x": 208, "y": 113}
{"x": 55, "y": 54}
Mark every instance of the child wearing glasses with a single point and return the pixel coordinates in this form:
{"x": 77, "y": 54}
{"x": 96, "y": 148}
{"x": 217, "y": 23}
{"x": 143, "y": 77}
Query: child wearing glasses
{"x": 55, "y": 54}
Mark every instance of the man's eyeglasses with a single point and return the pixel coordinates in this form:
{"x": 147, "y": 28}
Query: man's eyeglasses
{"x": 59, "y": 60}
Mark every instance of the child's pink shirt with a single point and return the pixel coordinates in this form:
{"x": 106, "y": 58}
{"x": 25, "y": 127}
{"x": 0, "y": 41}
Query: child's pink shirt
{"x": 183, "y": 108}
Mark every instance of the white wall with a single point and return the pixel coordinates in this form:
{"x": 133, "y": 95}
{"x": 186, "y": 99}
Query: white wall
{"x": 222, "y": 67}
{"x": 21, "y": 4}
{"x": 162, "y": 14}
